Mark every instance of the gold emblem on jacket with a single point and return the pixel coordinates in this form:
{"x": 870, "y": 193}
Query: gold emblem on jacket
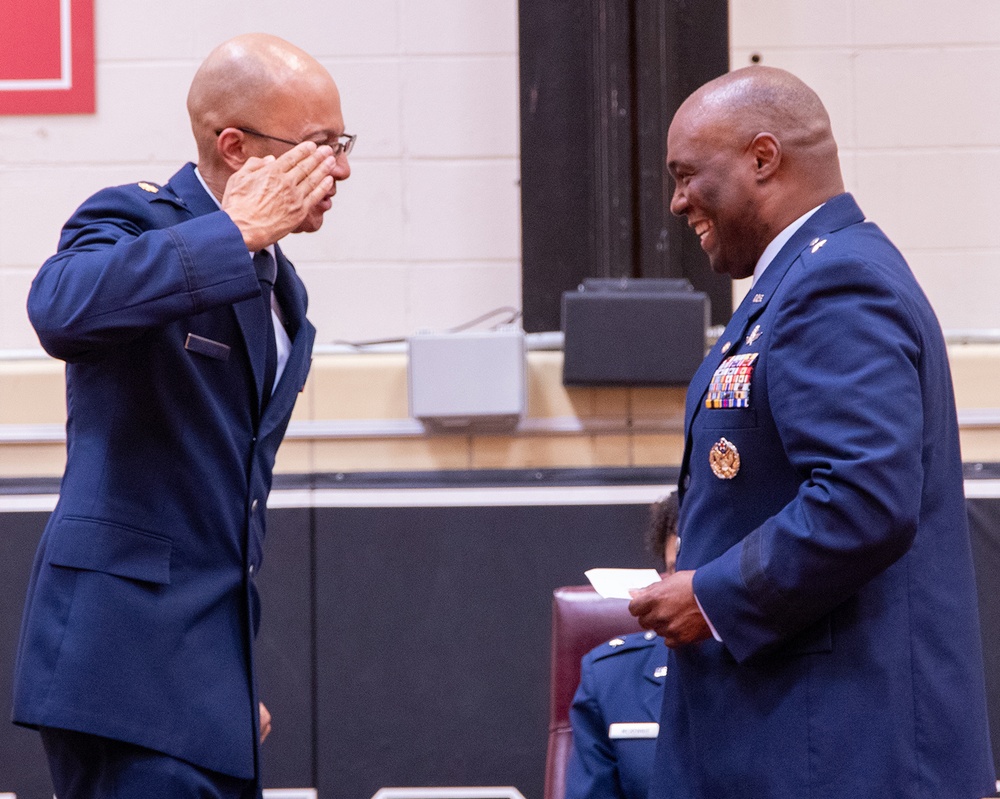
{"x": 724, "y": 459}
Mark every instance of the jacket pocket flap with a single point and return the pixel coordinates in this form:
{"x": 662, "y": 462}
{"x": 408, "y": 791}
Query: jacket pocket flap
{"x": 105, "y": 547}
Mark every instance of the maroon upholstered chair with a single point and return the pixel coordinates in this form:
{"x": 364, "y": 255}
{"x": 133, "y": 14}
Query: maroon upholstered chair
{"x": 581, "y": 619}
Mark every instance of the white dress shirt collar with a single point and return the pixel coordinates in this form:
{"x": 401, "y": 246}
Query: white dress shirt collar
{"x": 779, "y": 241}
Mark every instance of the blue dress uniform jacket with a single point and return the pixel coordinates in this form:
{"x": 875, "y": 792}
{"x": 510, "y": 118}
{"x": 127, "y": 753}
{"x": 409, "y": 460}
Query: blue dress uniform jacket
{"x": 142, "y": 609}
{"x": 621, "y": 682}
{"x": 832, "y": 556}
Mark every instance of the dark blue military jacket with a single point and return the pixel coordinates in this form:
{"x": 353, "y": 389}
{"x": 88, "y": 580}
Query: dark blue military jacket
{"x": 142, "y": 609}
{"x": 614, "y": 718}
{"x": 822, "y": 510}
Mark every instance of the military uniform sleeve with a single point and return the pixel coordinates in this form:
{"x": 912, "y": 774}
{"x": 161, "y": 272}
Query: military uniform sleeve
{"x": 126, "y": 264}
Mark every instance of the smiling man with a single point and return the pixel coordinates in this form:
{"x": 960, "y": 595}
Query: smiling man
{"x": 822, "y": 620}
{"x": 186, "y": 342}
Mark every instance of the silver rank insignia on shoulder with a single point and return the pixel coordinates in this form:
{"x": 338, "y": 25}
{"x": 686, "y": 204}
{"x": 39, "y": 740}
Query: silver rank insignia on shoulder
{"x": 616, "y": 642}
{"x": 754, "y": 335}
{"x": 816, "y": 244}
{"x": 661, "y": 671}
{"x": 149, "y": 187}
{"x": 724, "y": 459}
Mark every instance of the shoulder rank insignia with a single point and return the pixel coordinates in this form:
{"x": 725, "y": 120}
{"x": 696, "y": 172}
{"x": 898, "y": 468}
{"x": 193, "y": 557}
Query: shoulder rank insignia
{"x": 616, "y": 642}
{"x": 724, "y": 459}
{"x": 816, "y": 244}
{"x": 661, "y": 671}
{"x": 150, "y": 187}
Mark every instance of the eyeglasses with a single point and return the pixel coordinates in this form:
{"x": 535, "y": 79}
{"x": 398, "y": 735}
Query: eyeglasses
{"x": 343, "y": 144}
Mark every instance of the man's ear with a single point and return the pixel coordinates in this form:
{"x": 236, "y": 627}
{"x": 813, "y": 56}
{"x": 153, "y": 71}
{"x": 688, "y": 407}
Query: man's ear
{"x": 766, "y": 151}
{"x": 230, "y": 144}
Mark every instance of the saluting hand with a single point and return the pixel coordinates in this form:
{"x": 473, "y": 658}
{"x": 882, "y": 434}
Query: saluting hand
{"x": 270, "y": 197}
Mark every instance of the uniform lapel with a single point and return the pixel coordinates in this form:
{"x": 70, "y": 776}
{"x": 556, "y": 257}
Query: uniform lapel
{"x": 247, "y": 317}
{"x": 836, "y": 213}
{"x": 292, "y": 298}
{"x": 186, "y": 186}
{"x": 652, "y": 688}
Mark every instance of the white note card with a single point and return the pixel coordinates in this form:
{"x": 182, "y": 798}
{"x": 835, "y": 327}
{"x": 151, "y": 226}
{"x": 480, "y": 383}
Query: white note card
{"x": 615, "y": 583}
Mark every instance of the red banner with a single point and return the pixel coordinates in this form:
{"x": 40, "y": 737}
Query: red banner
{"x": 47, "y": 57}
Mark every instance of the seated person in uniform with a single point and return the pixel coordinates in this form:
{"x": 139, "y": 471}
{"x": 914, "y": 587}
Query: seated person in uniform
{"x": 615, "y": 710}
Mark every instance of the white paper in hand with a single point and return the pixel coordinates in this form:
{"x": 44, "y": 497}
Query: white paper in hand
{"x": 615, "y": 583}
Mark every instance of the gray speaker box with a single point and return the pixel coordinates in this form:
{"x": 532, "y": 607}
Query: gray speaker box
{"x": 633, "y": 332}
{"x": 474, "y": 381}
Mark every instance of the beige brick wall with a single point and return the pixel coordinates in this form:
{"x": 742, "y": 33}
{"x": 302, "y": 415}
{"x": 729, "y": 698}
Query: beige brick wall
{"x": 426, "y": 234}
{"x": 912, "y": 90}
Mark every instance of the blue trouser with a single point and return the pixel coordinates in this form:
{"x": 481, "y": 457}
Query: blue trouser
{"x": 87, "y": 766}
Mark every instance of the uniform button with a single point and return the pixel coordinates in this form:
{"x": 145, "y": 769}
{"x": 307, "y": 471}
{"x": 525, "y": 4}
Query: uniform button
{"x": 253, "y": 506}
{"x": 251, "y": 570}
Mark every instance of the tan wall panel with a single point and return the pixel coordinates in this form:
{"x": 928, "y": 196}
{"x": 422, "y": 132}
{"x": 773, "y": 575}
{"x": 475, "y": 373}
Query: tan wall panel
{"x": 352, "y": 416}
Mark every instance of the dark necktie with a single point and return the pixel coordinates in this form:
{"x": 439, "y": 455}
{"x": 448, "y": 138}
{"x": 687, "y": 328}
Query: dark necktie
{"x": 267, "y": 271}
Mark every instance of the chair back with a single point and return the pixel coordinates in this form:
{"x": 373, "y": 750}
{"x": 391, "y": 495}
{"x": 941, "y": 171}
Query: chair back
{"x": 581, "y": 619}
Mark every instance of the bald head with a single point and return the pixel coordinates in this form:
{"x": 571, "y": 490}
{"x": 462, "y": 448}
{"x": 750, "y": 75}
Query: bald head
{"x": 762, "y": 99}
{"x": 751, "y": 151}
{"x": 262, "y": 82}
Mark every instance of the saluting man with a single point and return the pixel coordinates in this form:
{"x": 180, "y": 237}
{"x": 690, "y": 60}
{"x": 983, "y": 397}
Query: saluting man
{"x": 184, "y": 332}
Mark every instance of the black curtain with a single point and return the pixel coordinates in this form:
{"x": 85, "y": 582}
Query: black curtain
{"x": 600, "y": 81}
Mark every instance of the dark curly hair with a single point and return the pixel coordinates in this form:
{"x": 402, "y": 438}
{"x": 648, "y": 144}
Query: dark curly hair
{"x": 662, "y": 524}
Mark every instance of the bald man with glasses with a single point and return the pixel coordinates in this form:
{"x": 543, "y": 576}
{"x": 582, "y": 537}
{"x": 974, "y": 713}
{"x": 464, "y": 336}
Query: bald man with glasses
{"x": 184, "y": 332}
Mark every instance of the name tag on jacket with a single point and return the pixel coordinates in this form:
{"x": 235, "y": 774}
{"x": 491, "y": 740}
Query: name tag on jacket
{"x": 633, "y": 729}
{"x": 205, "y": 346}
